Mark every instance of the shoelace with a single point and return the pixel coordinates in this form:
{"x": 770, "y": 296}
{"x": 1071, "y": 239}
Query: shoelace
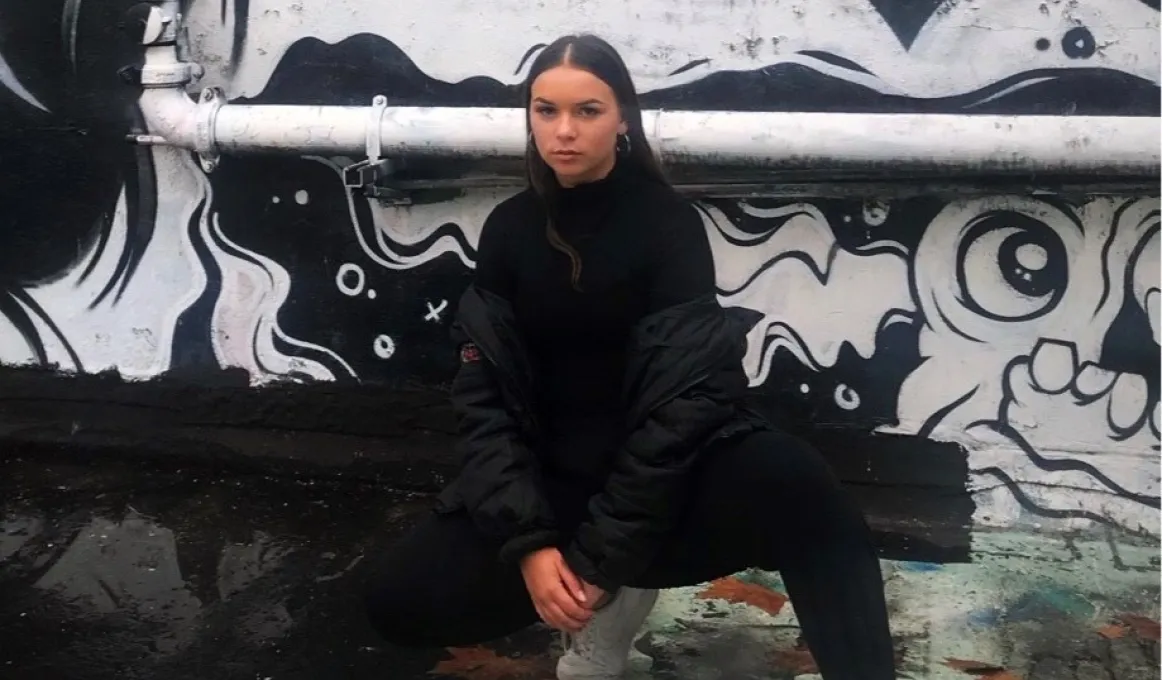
{"x": 570, "y": 644}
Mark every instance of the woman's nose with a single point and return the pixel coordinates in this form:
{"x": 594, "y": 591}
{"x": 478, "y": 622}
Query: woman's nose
{"x": 566, "y": 129}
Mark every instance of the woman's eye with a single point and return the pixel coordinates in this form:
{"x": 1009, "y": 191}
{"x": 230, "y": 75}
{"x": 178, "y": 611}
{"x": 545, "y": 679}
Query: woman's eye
{"x": 545, "y": 110}
{"x": 590, "y": 112}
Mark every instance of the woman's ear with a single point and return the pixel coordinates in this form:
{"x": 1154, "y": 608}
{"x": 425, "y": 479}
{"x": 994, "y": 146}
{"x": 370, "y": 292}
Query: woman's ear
{"x": 623, "y": 128}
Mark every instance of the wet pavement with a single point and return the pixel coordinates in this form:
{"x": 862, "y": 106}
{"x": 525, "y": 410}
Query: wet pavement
{"x": 112, "y": 569}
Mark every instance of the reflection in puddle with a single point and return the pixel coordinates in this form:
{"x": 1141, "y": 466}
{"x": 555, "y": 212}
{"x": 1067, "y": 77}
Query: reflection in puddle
{"x": 129, "y": 567}
{"x": 242, "y": 565}
{"x": 15, "y": 532}
{"x": 109, "y": 572}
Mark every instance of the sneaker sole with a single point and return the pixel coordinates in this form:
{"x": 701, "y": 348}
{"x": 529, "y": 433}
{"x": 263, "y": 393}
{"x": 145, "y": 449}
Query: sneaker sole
{"x": 566, "y": 670}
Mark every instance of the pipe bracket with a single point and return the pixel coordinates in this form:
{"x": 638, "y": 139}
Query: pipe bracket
{"x": 367, "y": 175}
{"x": 210, "y": 101}
{"x": 153, "y": 23}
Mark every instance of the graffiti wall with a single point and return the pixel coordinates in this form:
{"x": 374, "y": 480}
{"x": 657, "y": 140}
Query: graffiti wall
{"x": 1024, "y": 328}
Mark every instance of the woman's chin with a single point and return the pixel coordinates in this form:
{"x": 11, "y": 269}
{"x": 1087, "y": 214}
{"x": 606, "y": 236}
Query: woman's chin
{"x": 572, "y": 174}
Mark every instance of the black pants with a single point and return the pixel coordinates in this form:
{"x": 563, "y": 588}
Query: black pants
{"x": 766, "y": 500}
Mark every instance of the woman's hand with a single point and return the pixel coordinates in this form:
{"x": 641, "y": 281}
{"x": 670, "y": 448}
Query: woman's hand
{"x": 557, "y": 593}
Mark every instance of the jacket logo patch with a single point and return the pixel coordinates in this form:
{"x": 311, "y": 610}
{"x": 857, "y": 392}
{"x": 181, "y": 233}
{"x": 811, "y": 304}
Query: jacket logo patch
{"x": 469, "y": 353}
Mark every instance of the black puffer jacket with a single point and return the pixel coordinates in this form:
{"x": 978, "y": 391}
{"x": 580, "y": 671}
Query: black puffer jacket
{"x": 684, "y": 388}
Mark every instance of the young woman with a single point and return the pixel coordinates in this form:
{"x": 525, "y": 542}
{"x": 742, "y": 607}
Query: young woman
{"x": 605, "y": 450}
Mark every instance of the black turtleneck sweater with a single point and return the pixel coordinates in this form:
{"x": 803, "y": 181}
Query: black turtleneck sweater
{"x": 643, "y": 248}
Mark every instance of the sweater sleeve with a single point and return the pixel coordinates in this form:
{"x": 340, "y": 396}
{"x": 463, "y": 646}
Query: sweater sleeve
{"x": 493, "y": 261}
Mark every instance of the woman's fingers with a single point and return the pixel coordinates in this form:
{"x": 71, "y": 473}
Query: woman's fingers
{"x": 571, "y": 582}
{"x": 544, "y": 616}
{"x": 570, "y": 606}
{"x": 551, "y": 616}
{"x": 562, "y": 621}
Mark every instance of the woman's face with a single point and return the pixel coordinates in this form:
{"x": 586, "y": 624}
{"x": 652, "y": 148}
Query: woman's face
{"x": 575, "y": 122}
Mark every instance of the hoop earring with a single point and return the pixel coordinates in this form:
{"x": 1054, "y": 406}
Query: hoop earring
{"x": 626, "y": 148}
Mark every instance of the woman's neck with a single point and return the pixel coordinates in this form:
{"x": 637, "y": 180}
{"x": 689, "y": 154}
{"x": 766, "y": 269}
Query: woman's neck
{"x": 584, "y": 206}
{"x": 596, "y": 189}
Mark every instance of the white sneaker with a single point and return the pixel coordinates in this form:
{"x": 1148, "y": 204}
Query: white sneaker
{"x": 600, "y": 651}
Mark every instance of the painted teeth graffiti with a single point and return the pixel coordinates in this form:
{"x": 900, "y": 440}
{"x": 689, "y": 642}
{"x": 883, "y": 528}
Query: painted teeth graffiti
{"x": 1036, "y": 327}
{"x": 1023, "y": 328}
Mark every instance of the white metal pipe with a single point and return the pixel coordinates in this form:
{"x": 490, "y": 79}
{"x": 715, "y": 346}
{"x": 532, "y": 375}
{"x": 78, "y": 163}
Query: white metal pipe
{"x": 1046, "y": 144}
{"x": 1064, "y": 145}
{"x": 337, "y": 130}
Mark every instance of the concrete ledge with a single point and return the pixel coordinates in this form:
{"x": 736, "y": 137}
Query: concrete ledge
{"x": 912, "y": 490}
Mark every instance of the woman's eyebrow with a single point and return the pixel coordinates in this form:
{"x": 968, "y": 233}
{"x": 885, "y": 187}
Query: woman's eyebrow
{"x": 587, "y": 102}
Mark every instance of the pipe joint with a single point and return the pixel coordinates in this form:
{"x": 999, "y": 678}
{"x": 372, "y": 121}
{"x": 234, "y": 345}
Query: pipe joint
{"x": 170, "y": 75}
{"x": 173, "y": 118}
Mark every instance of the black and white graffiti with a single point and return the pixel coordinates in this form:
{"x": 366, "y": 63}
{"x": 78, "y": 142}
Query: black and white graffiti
{"x": 1035, "y": 323}
{"x": 1024, "y": 328}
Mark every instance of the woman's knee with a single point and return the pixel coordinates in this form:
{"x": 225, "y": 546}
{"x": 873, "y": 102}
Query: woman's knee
{"x": 391, "y": 609}
{"x": 442, "y": 585}
{"x": 401, "y": 593}
{"x": 785, "y": 466}
{"x": 385, "y": 608}
{"x": 781, "y": 475}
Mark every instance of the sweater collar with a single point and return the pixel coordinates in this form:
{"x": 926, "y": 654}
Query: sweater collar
{"x": 593, "y": 196}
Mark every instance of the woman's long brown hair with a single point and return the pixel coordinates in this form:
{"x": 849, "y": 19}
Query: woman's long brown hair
{"x": 592, "y": 54}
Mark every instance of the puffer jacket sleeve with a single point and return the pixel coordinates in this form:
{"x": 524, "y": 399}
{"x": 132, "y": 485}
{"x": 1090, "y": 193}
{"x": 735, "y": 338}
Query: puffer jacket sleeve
{"x": 649, "y": 487}
{"x": 499, "y": 481}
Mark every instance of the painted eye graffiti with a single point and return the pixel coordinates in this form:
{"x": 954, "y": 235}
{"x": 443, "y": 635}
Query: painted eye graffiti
{"x": 1011, "y": 267}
